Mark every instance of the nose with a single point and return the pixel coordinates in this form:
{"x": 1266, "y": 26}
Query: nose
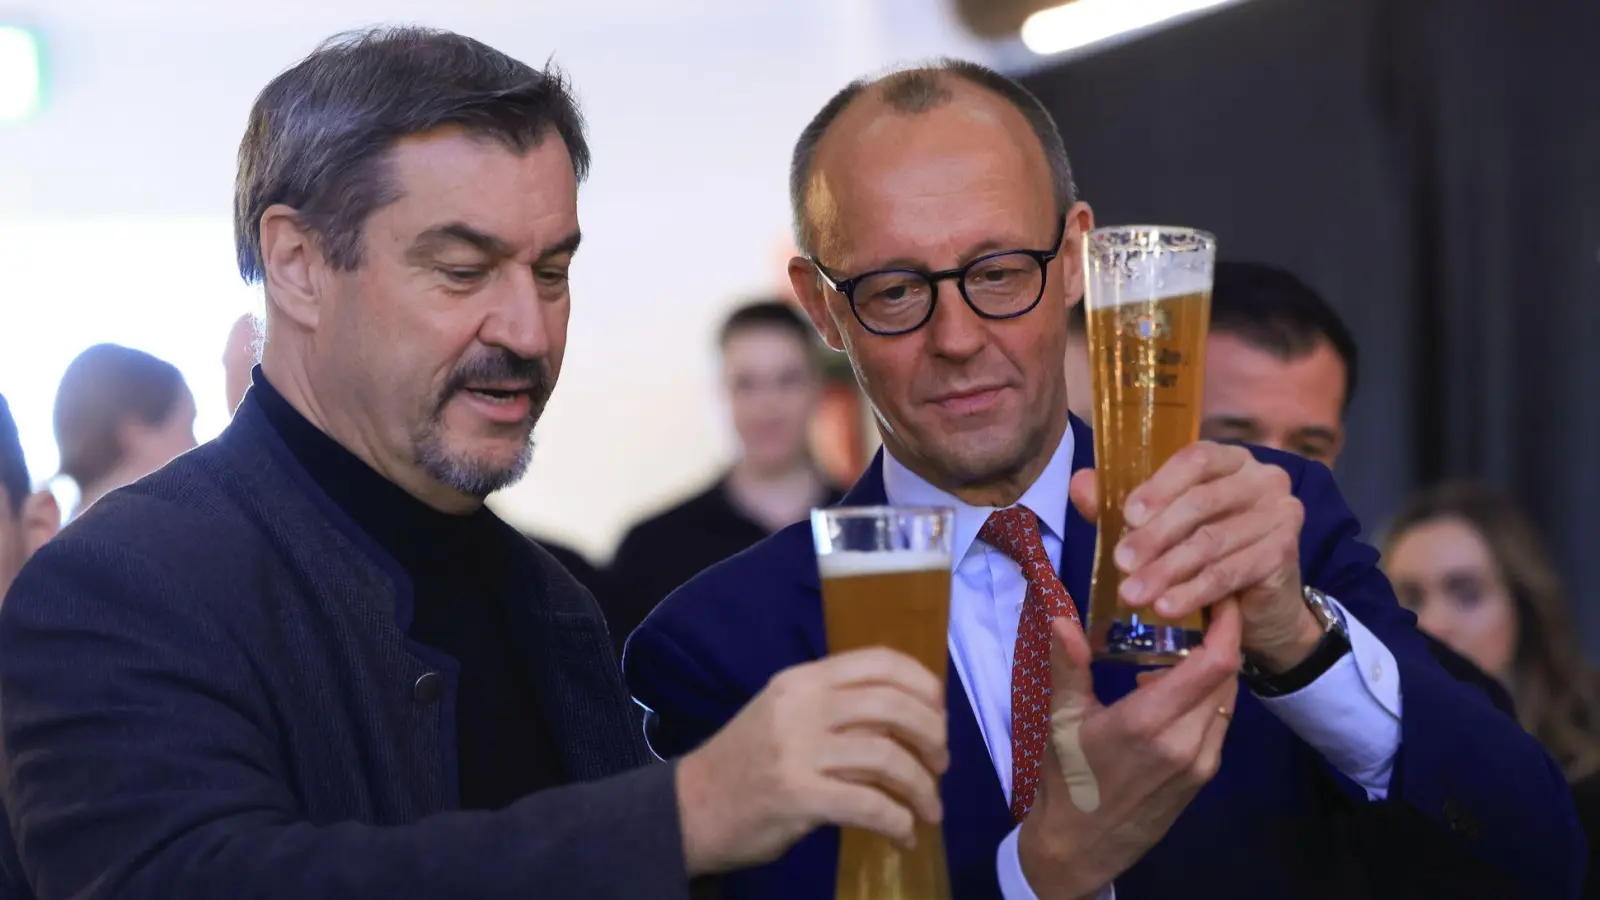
{"x": 519, "y": 318}
{"x": 956, "y": 332}
{"x": 1435, "y": 621}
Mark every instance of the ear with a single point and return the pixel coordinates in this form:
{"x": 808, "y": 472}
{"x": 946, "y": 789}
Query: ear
{"x": 290, "y": 259}
{"x": 41, "y": 520}
{"x": 813, "y": 297}
{"x": 1080, "y": 221}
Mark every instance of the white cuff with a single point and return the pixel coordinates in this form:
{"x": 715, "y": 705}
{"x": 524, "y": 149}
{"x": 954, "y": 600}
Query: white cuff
{"x": 1013, "y": 884}
{"x": 1351, "y": 715}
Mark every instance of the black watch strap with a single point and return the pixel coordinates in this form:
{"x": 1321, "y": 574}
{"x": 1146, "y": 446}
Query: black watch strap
{"x": 1334, "y": 645}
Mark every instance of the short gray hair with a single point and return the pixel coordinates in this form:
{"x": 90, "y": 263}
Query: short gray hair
{"x": 914, "y": 91}
{"x": 320, "y": 134}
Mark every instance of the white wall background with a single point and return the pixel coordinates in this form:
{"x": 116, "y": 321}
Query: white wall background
{"x": 114, "y": 202}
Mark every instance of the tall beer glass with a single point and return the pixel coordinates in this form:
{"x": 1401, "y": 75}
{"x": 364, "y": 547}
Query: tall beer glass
{"x": 886, "y": 583}
{"x": 1148, "y": 298}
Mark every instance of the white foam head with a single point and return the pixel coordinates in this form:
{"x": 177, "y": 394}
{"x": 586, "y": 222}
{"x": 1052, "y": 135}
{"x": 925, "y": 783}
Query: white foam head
{"x": 855, "y": 563}
{"x": 1146, "y": 263}
{"x": 1144, "y": 284}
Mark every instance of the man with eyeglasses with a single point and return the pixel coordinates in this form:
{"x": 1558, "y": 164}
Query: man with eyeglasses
{"x": 942, "y": 239}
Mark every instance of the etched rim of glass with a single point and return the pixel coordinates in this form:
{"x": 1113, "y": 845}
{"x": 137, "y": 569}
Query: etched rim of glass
{"x": 1123, "y": 262}
{"x": 941, "y": 521}
{"x": 1151, "y": 238}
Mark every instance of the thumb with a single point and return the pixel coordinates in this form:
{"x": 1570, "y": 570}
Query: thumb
{"x": 1084, "y": 489}
{"x": 1071, "y": 701}
{"x": 1071, "y": 684}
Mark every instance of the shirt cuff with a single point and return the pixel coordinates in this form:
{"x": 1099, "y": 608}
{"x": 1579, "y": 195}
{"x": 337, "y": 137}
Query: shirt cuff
{"x": 1013, "y": 884}
{"x": 1351, "y": 714}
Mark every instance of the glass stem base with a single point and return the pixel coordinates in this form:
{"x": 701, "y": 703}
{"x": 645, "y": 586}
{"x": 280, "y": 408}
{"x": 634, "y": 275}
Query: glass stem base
{"x": 1146, "y": 644}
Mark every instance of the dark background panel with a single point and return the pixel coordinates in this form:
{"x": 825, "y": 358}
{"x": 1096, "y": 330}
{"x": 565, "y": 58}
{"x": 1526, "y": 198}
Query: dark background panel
{"x": 1432, "y": 167}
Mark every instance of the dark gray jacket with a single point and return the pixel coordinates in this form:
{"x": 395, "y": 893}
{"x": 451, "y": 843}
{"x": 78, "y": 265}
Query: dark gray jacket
{"x": 206, "y": 691}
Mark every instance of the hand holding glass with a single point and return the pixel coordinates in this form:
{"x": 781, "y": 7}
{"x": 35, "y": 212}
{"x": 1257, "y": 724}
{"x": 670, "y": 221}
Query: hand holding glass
{"x": 886, "y": 583}
{"x": 1148, "y": 298}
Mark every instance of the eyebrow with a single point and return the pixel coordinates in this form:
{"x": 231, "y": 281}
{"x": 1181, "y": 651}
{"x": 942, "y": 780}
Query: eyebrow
{"x": 982, "y": 248}
{"x": 1318, "y": 432}
{"x": 1464, "y": 576}
{"x": 568, "y": 244}
{"x": 1231, "y": 422}
{"x": 435, "y": 239}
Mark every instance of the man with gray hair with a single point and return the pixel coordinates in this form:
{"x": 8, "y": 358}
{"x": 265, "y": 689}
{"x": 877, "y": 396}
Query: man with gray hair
{"x": 304, "y": 661}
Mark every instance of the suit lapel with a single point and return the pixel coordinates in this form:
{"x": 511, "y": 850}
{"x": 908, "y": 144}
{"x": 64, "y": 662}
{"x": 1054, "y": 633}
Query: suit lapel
{"x": 977, "y": 816}
{"x": 1077, "y": 544}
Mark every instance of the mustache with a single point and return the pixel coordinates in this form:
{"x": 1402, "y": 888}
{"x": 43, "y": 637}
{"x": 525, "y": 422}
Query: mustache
{"x": 501, "y": 366}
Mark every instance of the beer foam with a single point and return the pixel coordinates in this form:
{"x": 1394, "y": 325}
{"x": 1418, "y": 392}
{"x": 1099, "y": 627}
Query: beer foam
{"x": 1146, "y": 284}
{"x": 1124, "y": 268}
{"x": 855, "y": 563}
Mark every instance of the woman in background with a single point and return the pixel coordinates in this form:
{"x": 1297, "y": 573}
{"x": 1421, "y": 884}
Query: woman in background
{"x": 120, "y": 414}
{"x": 1466, "y": 559}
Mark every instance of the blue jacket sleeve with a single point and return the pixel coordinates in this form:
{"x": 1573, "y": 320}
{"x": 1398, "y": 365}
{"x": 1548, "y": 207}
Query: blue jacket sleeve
{"x": 1463, "y": 763}
{"x": 141, "y": 764}
{"x": 685, "y": 699}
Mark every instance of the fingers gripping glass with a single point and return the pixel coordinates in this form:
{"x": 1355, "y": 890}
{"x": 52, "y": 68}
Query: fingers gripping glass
{"x": 1000, "y": 285}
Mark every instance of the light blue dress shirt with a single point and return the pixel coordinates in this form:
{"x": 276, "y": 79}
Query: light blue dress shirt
{"x": 1351, "y": 714}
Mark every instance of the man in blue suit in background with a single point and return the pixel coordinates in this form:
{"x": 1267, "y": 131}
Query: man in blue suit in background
{"x": 1314, "y": 691}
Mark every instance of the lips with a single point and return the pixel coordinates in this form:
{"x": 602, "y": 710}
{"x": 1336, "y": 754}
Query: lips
{"x": 970, "y": 400}
{"x": 499, "y": 392}
{"x": 504, "y": 404}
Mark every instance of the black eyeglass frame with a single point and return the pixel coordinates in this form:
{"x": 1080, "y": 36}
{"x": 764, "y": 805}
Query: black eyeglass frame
{"x": 847, "y": 286}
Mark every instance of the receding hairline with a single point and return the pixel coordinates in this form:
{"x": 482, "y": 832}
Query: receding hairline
{"x": 894, "y": 98}
{"x": 915, "y": 90}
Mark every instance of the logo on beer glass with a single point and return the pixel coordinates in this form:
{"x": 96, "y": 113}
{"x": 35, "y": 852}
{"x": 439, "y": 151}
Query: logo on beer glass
{"x": 1150, "y": 324}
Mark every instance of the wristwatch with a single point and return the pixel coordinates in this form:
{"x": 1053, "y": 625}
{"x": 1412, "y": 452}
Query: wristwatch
{"x": 1334, "y": 645}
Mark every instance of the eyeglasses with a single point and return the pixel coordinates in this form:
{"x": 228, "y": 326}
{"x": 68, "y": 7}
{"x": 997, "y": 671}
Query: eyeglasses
{"x": 1001, "y": 285}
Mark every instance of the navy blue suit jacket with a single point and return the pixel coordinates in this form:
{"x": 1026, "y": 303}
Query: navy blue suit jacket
{"x": 1266, "y": 825}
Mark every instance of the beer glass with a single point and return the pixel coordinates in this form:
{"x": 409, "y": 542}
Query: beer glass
{"x": 886, "y": 583}
{"x": 1148, "y": 298}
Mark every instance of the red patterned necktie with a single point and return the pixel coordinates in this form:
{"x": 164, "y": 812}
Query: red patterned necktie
{"x": 1015, "y": 532}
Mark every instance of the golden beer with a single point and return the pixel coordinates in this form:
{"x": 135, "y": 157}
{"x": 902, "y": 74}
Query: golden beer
{"x": 1148, "y": 292}
{"x": 893, "y": 593}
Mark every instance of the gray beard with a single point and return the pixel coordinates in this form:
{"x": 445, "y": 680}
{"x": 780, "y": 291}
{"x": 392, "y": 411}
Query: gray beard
{"x": 467, "y": 475}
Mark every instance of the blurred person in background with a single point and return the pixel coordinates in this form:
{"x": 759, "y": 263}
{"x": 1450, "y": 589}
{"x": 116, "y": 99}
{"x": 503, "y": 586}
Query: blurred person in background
{"x": 120, "y": 414}
{"x": 1466, "y": 558}
{"x": 1281, "y": 372}
{"x": 28, "y": 518}
{"x": 942, "y": 239}
{"x": 305, "y": 660}
{"x": 239, "y": 357}
{"x": 1280, "y": 364}
{"x": 772, "y": 382}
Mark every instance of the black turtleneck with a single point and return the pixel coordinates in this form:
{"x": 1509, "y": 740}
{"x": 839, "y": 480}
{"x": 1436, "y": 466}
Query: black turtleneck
{"x": 461, "y": 583}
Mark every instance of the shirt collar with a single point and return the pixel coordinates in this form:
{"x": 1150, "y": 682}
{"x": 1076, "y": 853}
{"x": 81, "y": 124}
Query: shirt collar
{"x": 1046, "y": 497}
